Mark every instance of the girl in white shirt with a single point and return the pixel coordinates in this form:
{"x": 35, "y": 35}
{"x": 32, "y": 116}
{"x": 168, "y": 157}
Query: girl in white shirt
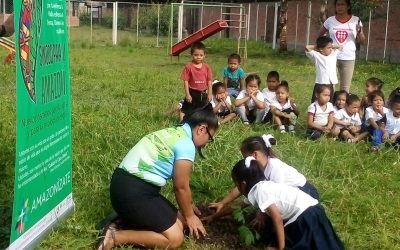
{"x": 250, "y": 105}
{"x": 375, "y": 112}
{"x": 391, "y": 131}
{"x": 320, "y": 113}
{"x": 347, "y": 121}
{"x": 339, "y": 100}
{"x": 284, "y": 110}
{"x": 221, "y": 103}
{"x": 298, "y": 220}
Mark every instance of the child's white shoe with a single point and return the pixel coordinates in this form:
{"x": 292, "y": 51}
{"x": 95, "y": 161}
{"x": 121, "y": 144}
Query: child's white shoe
{"x": 291, "y": 129}
{"x": 282, "y": 129}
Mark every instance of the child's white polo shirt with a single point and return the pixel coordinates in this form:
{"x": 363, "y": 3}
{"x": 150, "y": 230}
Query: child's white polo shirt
{"x": 392, "y": 123}
{"x": 325, "y": 66}
{"x": 320, "y": 116}
{"x": 370, "y": 113}
{"x": 291, "y": 201}
{"x": 280, "y": 172}
{"x": 250, "y": 103}
{"x": 344, "y": 116}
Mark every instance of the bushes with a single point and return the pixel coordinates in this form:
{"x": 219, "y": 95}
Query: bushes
{"x": 108, "y": 22}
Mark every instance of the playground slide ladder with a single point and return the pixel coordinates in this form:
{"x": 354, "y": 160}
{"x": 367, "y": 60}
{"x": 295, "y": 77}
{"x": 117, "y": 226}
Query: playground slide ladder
{"x": 242, "y": 39}
{"x": 239, "y": 22}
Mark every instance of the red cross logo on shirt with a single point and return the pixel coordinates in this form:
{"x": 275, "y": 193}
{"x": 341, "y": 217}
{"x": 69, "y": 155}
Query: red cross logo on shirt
{"x": 341, "y": 35}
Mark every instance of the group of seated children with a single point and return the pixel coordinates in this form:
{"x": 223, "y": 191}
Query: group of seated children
{"x": 251, "y": 104}
{"x": 337, "y": 114}
{"x": 348, "y": 117}
{"x": 353, "y": 119}
{"x": 289, "y": 214}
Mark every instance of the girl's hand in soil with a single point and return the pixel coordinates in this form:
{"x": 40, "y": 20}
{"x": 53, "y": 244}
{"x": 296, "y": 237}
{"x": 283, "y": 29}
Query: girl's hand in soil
{"x": 258, "y": 222}
{"x": 218, "y": 206}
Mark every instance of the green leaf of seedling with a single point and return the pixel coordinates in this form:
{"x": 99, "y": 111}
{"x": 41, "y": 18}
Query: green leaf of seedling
{"x": 246, "y": 235}
{"x": 239, "y": 216}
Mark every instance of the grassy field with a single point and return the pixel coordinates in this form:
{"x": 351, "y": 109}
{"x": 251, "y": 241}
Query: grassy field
{"x": 121, "y": 93}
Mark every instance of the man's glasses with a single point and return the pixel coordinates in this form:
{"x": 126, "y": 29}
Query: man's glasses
{"x": 211, "y": 138}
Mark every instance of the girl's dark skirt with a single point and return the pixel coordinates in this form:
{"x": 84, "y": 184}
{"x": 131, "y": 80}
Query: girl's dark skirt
{"x": 312, "y": 230}
{"x": 310, "y": 189}
{"x": 139, "y": 204}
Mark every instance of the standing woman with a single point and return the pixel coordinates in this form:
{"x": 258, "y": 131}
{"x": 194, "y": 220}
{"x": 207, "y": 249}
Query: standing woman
{"x": 344, "y": 29}
{"x": 149, "y": 220}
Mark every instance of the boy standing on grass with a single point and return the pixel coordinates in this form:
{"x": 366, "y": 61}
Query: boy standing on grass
{"x": 234, "y": 76}
{"x": 197, "y": 80}
{"x": 324, "y": 56}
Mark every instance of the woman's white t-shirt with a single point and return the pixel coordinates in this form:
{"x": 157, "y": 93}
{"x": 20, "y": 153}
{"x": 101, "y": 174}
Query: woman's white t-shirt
{"x": 344, "y": 34}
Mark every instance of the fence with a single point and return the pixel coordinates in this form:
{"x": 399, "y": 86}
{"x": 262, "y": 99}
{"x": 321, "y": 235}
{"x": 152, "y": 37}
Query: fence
{"x": 148, "y": 24}
{"x": 6, "y": 7}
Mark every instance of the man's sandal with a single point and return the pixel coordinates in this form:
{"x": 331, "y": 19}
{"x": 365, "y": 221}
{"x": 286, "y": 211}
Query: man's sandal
{"x": 108, "y": 234}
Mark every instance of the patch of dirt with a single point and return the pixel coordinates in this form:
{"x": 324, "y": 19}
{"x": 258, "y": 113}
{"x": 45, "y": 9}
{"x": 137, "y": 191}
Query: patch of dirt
{"x": 222, "y": 232}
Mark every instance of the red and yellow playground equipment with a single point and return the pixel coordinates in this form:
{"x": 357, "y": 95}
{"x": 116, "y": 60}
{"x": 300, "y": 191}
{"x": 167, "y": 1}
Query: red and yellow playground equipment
{"x": 198, "y": 36}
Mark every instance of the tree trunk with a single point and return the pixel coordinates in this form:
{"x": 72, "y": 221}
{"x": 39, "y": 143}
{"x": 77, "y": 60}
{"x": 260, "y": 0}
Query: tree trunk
{"x": 323, "y": 14}
{"x": 283, "y": 26}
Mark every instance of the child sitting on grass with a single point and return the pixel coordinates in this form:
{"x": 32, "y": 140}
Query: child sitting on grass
{"x": 295, "y": 220}
{"x": 372, "y": 84}
{"x": 375, "y": 112}
{"x": 197, "y": 78}
{"x": 284, "y": 110}
{"x": 324, "y": 56}
{"x": 250, "y": 103}
{"x": 270, "y": 94}
{"x": 347, "y": 121}
{"x": 221, "y": 103}
{"x": 390, "y": 132}
{"x": 234, "y": 75}
{"x": 339, "y": 100}
{"x": 320, "y": 114}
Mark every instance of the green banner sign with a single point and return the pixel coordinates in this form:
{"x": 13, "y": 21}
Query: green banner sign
{"x": 43, "y": 173}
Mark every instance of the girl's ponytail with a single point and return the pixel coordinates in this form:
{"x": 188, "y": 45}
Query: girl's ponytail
{"x": 262, "y": 143}
{"x": 247, "y": 170}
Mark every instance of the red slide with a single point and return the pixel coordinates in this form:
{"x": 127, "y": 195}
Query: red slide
{"x": 200, "y": 35}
